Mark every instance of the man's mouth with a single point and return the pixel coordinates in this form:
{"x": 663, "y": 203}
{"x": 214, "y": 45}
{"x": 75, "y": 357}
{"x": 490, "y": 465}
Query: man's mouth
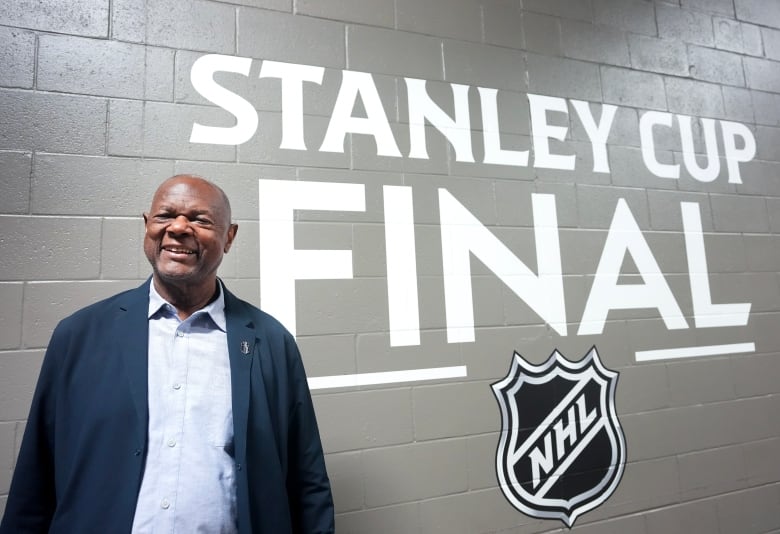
{"x": 178, "y": 250}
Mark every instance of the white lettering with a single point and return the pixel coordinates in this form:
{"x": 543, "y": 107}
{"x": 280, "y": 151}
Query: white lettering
{"x": 202, "y": 78}
{"x": 280, "y": 263}
{"x": 543, "y": 132}
{"x": 462, "y": 235}
{"x": 292, "y": 76}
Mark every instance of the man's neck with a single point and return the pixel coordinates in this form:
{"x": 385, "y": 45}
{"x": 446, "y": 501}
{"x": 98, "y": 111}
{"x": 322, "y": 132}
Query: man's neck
{"x": 187, "y": 299}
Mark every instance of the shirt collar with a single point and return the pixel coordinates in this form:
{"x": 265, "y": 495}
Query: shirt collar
{"x": 215, "y": 309}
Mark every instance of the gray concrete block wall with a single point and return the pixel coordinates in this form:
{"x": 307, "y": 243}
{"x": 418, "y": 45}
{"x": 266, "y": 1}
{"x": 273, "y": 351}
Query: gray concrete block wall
{"x": 96, "y": 108}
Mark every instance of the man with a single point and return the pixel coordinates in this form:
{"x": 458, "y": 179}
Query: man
{"x": 173, "y": 407}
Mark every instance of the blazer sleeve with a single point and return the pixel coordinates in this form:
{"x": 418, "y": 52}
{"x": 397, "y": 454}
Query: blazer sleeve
{"x": 309, "y": 493}
{"x": 32, "y": 498}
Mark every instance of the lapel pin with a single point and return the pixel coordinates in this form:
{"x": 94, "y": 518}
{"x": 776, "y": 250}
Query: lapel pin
{"x": 245, "y": 347}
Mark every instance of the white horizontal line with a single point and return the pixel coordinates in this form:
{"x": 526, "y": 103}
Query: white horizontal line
{"x": 694, "y": 352}
{"x": 389, "y": 377}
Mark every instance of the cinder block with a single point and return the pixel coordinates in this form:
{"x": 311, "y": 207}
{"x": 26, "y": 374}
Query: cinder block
{"x": 364, "y": 152}
{"x": 121, "y": 249}
{"x": 633, "y": 16}
{"x": 763, "y": 253}
{"x": 542, "y": 34}
{"x": 7, "y": 435}
{"x": 476, "y": 65}
{"x": 715, "y": 66}
{"x": 773, "y": 207}
{"x": 694, "y": 518}
{"x": 17, "y": 57}
{"x": 49, "y": 248}
{"x": 475, "y": 511}
{"x": 11, "y": 320}
{"x": 665, "y": 212}
{"x": 15, "y": 168}
{"x": 651, "y": 436}
{"x": 762, "y": 74}
{"x": 763, "y": 13}
{"x": 475, "y": 194}
{"x": 401, "y": 519}
{"x": 52, "y": 122}
{"x": 767, "y": 140}
{"x": 597, "y": 205}
{"x": 683, "y": 25}
{"x": 373, "y": 13}
{"x": 377, "y": 418}
{"x": 374, "y": 353}
{"x": 771, "y": 39}
{"x": 723, "y": 7}
{"x": 665, "y": 56}
{"x": 631, "y": 88}
{"x": 759, "y": 456}
{"x": 346, "y": 481}
{"x": 407, "y": 473}
{"x": 128, "y": 20}
{"x": 264, "y": 147}
{"x": 393, "y": 52}
{"x": 756, "y": 374}
{"x": 76, "y": 17}
{"x": 459, "y": 19}
{"x": 737, "y": 104}
{"x": 725, "y": 253}
{"x": 167, "y": 127}
{"x": 766, "y": 107}
{"x": 328, "y": 355}
{"x": 572, "y": 9}
{"x": 761, "y": 290}
{"x": 601, "y": 44}
{"x": 642, "y": 389}
{"x": 751, "y": 40}
{"x": 481, "y": 461}
{"x": 689, "y": 383}
{"x": 753, "y": 507}
{"x": 80, "y": 185}
{"x": 503, "y": 23}
{"x": 699, "y": 99}
{"x": 47, "y": 303}
{"x": 125, "y": 127}
{"x": 628, "y": 169}
{"x": 18, "y": 376}
{"x": 195, "y": 25}
{"x": 563, "y": 77}
{"x": 369, "y": 257}
{"x": 645, "y": 485}
{"x": 103, "y": 68}
{"x": 739, "y": 213}
{"x": 450, "y": 410}
{"x": 339, "y": 306}
{"x": 291, "y": 38}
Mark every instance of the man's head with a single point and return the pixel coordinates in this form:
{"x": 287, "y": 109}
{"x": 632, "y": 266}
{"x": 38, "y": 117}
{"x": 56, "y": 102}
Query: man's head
{"x": 188, "y": 230}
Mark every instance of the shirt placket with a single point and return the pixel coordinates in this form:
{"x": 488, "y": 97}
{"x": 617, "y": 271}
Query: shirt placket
{"x": 176, "y": 400}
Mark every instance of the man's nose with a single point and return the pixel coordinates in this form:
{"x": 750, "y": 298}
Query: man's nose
{"x": 179, "y": 225}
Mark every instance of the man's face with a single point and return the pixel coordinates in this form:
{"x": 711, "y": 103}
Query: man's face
{"x": 187, "y": 232}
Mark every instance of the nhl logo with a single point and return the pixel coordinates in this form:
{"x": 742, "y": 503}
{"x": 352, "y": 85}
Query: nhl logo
{"x": 561, "y": 451}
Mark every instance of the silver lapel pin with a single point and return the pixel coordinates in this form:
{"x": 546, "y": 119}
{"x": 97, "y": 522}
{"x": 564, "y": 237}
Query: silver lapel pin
{"x": 245, "y": 347}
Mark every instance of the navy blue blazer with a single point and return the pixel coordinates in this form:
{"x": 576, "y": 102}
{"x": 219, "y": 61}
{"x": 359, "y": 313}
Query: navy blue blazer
{"x": 82, "y": 457}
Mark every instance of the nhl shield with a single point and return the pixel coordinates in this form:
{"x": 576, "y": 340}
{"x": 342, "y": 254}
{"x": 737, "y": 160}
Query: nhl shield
{"x": 561, "y": 451}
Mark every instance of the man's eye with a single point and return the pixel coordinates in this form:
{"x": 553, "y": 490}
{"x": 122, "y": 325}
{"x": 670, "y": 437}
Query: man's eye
{"x": 203, "y": 221}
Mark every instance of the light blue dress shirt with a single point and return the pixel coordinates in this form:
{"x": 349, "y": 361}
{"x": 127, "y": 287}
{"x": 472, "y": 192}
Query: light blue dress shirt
{"x": 188, "y": 484}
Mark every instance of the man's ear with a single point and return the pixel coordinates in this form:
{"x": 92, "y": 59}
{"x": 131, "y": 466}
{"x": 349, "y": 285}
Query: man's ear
{"x": 232, "y": 231}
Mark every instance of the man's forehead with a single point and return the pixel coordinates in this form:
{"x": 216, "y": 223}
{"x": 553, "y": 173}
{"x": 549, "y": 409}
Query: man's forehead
{"x": 190, "y": 192}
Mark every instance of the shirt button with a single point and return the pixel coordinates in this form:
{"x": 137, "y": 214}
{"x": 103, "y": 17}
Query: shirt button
{"x": 164, "y": 504}
{"x": 179, "y": 333}
{"x": 171, "y": 442}
{"x": 177, "y": 386}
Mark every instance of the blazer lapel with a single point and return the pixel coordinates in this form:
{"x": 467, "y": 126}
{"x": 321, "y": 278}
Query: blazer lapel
{"x": 242, "y": 344}
{"x": 131, "y": 334}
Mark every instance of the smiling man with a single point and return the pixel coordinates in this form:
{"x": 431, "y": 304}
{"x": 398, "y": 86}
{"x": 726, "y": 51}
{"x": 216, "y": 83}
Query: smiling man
{"x": 173, "y": 407}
